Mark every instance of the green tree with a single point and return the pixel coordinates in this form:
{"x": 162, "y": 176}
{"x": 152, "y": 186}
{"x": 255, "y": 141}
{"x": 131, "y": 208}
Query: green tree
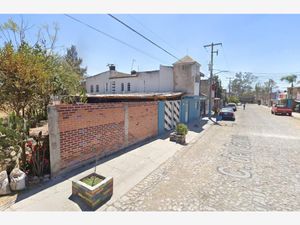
{"x": 258, "y": 90}
{"x": 218, "y": 86}
{"x": 242, "y": 83}
{"x": 233, "y": 99}
{"x": 30, "y": 74}
{"x": 75, "y": 61}
{"x": 291, "y": 79}
{"x": 22, "y": 70}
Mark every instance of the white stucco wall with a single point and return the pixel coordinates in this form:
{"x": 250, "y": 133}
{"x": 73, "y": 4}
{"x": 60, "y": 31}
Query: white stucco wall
{"x": 161, "y": 80}
{"x": 196, "y": 88}
{"x": 99, "y": 79}
{"x": 133, "y": 81}
{"x": 166, "y": 79}
{"x": 148, "y": 81}
{"x": 196, "y": 78}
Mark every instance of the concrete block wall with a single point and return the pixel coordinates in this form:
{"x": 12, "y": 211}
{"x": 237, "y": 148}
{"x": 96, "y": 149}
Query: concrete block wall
{"x": 74, "y": 130}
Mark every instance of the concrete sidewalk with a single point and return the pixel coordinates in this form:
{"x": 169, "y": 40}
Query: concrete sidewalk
{"x": 127, "y": 169}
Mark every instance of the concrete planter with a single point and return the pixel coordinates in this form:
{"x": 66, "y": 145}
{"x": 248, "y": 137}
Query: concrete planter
{"x": 178, "y": 138}
{"x": 94, "y": 196}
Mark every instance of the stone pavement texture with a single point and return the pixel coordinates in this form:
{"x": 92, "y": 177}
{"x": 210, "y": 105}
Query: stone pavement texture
{"x": 127, "y": 169}
{"x": 251, "y": 164}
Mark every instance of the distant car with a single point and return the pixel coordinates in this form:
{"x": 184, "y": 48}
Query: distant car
{"x": 281, "y": 109}
{"x": 239, "y": 104}
{"x": 232, "y": 105}
{"x": 227, "y": 113}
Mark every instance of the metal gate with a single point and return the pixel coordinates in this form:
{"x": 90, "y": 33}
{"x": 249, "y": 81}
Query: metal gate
{"x": 172, "y": 113}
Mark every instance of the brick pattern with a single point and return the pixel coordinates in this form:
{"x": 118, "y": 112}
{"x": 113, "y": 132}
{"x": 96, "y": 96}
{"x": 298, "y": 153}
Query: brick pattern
{"x": 102, "y": 126}
{"x": 143, "y": 122}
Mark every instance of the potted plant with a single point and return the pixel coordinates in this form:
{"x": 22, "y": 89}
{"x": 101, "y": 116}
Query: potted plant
{"x": 93, "y": 189}
{"x": 179, "y": 135}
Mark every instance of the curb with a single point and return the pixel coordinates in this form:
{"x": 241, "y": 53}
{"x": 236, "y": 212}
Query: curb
{"x": 184, "y": 148}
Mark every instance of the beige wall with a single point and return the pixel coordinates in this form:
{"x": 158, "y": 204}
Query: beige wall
{"x": 184, "y": 78}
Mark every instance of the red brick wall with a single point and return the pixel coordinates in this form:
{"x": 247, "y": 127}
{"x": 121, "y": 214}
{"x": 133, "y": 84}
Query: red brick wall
{"x": 143, "y": 121}
{"x": 102, "y": 126}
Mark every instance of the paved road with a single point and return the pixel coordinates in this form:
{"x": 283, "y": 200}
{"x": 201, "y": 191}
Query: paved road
{"x": 252, "y": 164}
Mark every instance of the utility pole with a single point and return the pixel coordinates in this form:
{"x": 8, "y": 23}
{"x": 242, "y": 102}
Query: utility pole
{"x": 270, "y": 94}
{"x": 211, "y": 73}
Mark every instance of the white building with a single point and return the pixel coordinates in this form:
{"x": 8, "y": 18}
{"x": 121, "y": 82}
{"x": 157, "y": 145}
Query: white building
{"x": 183, "y": 76}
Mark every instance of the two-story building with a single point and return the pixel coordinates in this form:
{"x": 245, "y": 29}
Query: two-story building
{"x": 182, "y": 77}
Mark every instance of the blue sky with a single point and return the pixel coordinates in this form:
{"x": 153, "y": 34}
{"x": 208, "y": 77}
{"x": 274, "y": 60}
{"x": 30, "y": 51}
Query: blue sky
{"x": 255, "y": 43}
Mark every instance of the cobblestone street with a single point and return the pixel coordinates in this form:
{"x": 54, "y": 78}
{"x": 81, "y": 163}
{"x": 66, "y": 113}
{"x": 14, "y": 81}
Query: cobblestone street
{"x": 251, "y": 164}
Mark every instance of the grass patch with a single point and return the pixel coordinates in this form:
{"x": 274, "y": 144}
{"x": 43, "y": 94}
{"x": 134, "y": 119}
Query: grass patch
{"x": 91, "y": 180}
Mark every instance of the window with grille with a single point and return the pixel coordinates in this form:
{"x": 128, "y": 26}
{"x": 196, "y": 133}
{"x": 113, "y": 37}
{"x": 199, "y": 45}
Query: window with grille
{"x": 92, "y": 88}
{"x": 122, "y": 87}
{"x": 128, "y": 86}
{"x": 97, "y": 88}
{"x": 113, "y": 86}
{"x": 106, "y": 87}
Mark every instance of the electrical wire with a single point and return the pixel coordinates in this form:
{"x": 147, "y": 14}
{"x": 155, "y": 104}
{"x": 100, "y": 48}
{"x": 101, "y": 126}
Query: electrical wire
{"x": 114, "y": 38}
{"x": 154, "y": 33}
{"x": 143, "y": 36}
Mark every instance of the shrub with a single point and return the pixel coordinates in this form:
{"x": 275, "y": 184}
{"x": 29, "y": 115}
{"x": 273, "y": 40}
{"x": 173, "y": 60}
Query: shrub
{"x": 233, "y": 99}
{"x": 10, "y": 145}
{"x": 181, "y": 129}
{"x": 38, "y": 157}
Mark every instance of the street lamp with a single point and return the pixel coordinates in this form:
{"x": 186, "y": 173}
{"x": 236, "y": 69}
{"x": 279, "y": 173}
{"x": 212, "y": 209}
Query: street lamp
{"x": 221, "y": 71}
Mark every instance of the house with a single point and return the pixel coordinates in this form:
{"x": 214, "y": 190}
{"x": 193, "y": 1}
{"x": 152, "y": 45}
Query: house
{"x": 182, "y": 77}
{"x": 294, "y": 98}
{"x": 115, "y": 82}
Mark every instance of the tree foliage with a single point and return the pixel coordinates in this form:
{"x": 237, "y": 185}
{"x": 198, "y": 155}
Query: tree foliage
{"x": 291, "y": 79}
{"x": 218, "y": 86}
{"x": 30, "y": 74}
{"x": 264, "y": 91}
{"x": 233, "y": 99}
{"x": 242, "y": 83}
{"x": 75, "y": 61}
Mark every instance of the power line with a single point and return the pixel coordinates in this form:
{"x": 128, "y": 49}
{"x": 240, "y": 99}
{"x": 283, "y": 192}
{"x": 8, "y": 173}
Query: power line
{"x": 266, "y": 73}
{"x": 135, "y": 31}
{"x": 154, "y": 33}
{"x": 225, "y": 58}
{"x": 112, "y": 37}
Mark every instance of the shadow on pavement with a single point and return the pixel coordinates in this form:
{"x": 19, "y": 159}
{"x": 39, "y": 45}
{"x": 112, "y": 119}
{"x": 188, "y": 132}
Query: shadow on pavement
{"x": 196, "y": 126}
